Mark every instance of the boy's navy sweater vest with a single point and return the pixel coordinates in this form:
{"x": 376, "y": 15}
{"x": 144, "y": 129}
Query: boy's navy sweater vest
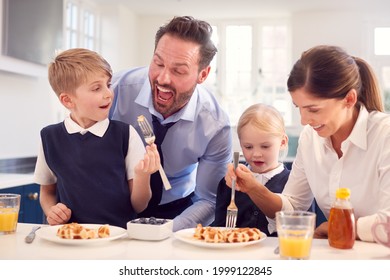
{"x": 91, "y": 173}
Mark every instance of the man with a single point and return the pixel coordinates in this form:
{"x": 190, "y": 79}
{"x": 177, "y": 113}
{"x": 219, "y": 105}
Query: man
{"x": 197, "y": 146}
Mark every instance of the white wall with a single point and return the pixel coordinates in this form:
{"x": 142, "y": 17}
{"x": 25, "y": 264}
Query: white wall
{"x": 128, "y": 38}
{"x": 335, "y": 28}
{"x": 120, "y": 32}
{"x": 28, "y": 104}
{"x": 148, "y": 28}
{"x": 351, "y": 31}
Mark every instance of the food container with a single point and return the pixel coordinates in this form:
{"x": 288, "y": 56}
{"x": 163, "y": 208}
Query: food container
{"x": 150, "y": 228}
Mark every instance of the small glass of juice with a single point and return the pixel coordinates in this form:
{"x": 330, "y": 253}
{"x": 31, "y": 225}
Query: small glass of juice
{"x": 9, "y": 212}
{"x": 295, "y": 233}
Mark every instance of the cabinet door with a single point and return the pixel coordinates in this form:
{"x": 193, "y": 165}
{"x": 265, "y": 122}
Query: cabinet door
{"x": 30, "y": 208}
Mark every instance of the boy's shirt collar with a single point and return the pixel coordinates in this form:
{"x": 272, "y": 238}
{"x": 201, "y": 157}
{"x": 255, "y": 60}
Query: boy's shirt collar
{"x": 97, "y": 129}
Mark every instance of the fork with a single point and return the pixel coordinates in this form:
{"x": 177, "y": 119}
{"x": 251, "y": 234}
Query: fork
{"x": 149, "y": 136}
{"x": 30, "y": 237}
{"x": 231, "y": 213}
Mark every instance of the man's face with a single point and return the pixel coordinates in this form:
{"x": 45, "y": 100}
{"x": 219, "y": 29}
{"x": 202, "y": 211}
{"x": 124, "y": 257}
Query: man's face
{"x": 174, "y": 73}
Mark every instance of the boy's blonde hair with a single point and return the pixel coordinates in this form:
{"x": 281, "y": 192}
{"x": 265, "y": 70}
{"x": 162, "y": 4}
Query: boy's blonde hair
{"x": 72, "y": 67}
{"x": 266, "y": 118}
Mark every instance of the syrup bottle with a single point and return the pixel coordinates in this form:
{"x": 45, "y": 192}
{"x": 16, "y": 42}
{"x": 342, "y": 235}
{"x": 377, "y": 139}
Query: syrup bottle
{"x": 341, "y": 224}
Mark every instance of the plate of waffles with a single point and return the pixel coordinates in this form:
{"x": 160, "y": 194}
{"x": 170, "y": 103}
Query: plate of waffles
{"x": 220, "y": 237}
{"x": 81, "y": 234}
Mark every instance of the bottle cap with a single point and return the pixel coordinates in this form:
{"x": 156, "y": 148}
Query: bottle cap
{"x": 343, "y": 193}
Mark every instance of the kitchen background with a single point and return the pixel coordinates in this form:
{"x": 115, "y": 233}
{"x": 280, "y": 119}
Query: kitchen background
{"x": 258, "y": 41}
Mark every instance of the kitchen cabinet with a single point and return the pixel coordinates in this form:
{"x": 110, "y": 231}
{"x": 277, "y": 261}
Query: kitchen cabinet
{"x": 30, "y": 208}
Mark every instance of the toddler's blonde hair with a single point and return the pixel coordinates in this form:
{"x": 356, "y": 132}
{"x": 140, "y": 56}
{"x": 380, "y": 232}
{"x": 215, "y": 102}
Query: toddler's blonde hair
{"x": 266, "y": 118}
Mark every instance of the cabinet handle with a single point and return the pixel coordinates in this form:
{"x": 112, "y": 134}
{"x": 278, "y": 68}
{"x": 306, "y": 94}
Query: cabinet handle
{"x": 33, "y": 196}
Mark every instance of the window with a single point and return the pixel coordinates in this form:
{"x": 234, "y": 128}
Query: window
{"x": 81, "y": 26}
{"x": 81, "y": 31}
{"x": 272, "y": 85}
{"x": 89, "y": 30}
{"x": 254, "y": 61}
{"x": 382, "y": 41}
{"x": 238, "y": 75}
{"x": 380, "y": 59}
{"x": 71, "y": 23}
{"x": 385, "y": 78}
{"x": 212, "y": 78}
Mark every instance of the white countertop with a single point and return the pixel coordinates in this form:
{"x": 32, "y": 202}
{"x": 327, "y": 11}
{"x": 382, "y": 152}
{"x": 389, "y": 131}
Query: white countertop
{"x": 13, "y": 247}
{"x": 8, "y": 180}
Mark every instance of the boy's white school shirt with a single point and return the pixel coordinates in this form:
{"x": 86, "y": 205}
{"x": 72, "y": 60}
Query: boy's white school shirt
{"x": 136, "y": 150}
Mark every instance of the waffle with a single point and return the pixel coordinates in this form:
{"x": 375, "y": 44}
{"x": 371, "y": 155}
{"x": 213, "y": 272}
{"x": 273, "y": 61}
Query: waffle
{"x": 77, "y": 231}
{"x": 104, "y": 231}
{"x": 219, "y": 235}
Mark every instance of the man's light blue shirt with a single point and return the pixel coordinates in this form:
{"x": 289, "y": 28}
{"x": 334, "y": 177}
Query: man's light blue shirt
{"x": 196, "y": 149}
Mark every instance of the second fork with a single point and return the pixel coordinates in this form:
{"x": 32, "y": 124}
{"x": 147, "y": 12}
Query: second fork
{"x": 232, "y": 210}
{"x": 149, "y": 136}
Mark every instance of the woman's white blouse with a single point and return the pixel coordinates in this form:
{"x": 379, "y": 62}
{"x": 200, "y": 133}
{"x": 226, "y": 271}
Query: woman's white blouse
{"x": 364, "y": 168}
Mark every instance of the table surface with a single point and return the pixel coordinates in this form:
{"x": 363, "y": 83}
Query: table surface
{"x": 13, "y": 247}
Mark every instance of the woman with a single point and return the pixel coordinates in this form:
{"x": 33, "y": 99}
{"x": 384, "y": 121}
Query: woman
{"x": 345, "y": 141}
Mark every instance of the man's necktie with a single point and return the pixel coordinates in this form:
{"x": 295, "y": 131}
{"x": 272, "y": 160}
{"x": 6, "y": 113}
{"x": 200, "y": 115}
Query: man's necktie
{"x": 156, "y": 183}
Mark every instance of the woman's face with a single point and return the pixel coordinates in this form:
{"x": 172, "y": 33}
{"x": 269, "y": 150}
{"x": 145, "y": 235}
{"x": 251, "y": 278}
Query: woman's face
{"x": 174, "y": 73}
{"x": 328, "y": 117}
{"x": 260, "y": 148}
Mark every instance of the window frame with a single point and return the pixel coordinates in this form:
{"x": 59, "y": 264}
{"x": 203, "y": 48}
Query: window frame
{"x": 378, "y": 62}
{"x": 219, "y": 86}
{"x": 83, "y": 6}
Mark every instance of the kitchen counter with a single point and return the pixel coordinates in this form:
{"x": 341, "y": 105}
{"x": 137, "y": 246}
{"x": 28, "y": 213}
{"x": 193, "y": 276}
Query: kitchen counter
{"x": 13, "y": 247}
{"x": 8, "y": 180}
{"x": 15, "y": 172}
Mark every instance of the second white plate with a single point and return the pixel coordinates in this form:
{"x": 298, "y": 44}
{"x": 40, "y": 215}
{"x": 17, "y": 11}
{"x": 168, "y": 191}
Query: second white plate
{"x": 187, "y": 236}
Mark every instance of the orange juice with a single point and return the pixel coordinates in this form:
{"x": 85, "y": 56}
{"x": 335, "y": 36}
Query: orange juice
{"x": 295, "y": 245}
{"x": 8, "y": 219}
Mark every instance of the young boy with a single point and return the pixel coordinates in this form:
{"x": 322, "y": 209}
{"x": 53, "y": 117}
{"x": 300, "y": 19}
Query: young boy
{"x": 91, "y": 169}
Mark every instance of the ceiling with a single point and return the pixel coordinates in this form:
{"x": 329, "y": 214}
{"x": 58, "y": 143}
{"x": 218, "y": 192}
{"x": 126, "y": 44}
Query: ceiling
{"x": 248, "y": 8}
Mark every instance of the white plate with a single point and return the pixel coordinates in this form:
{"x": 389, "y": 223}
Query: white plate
{"x": 50, "y": 233}
{"x": 187, "y": 236}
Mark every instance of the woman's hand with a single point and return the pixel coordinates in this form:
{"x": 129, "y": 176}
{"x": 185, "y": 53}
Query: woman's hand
{"x": 245, "y": 181}
{"x": 321, "y": 231}
{"x": 58, "y": 214}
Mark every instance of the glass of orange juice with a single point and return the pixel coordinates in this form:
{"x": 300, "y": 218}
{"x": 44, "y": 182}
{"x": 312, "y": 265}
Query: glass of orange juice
{"x": 9, "y": 212}
{"x": 295, "y": 233}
